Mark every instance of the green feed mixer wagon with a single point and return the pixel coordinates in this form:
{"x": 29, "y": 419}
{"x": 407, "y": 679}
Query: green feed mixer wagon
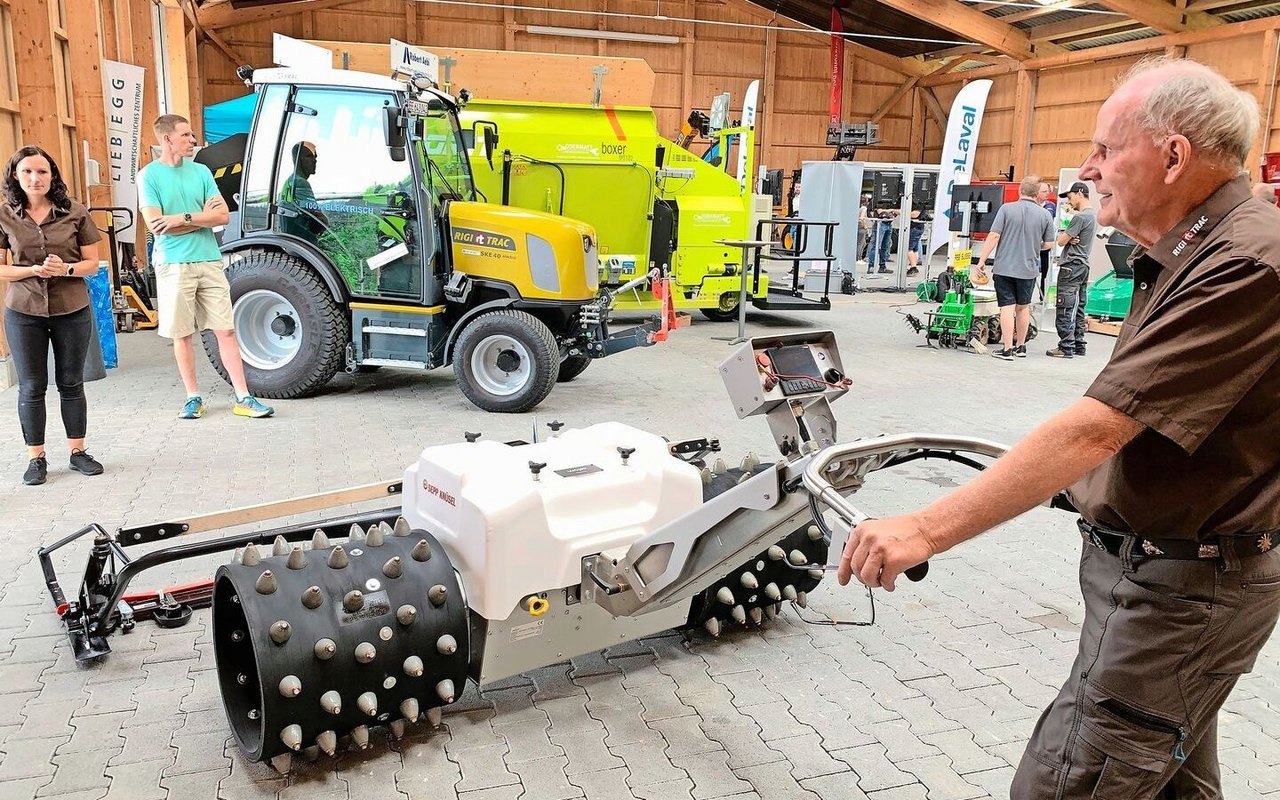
{"x": 652, "y": 202}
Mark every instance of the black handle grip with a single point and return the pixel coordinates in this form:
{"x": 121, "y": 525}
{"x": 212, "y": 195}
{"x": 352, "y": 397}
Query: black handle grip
{"x": 917, "y": 572}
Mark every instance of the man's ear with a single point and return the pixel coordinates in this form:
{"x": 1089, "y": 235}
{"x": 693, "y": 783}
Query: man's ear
{"x": 1177, "y": 157}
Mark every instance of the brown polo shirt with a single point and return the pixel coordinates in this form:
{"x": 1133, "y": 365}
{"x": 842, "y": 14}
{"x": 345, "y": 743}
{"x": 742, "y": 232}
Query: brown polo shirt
{"x": 29, "y": 243}
{"x": 1198, "y": 363}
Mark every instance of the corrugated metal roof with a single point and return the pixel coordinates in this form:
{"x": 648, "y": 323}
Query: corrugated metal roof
{"x": 1257, "y": 12}
{"x": 1045, "y": 19}
{"x": 1112, "y": 38}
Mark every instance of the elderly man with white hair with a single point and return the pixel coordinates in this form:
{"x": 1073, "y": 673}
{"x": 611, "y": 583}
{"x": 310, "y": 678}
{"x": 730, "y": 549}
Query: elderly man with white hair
{"x": 1170, "y": 457}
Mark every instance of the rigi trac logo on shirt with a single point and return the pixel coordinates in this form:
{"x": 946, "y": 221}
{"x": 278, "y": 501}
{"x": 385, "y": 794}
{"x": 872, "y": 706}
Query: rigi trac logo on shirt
{"x": 1190, "y": 235}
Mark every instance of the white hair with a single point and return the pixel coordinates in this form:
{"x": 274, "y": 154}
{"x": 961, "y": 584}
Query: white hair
{"x": 1196, "y": 101}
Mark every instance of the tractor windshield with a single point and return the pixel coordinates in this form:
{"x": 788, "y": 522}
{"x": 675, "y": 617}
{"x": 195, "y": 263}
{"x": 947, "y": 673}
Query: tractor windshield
{"x": 445, "y": 168}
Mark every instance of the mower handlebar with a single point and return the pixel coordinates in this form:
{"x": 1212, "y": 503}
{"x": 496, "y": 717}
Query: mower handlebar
{"x": 876, "y": 453}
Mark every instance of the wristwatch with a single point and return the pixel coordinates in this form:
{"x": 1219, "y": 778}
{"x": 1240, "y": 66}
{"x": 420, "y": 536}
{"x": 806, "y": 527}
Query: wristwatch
{"x": 186, "y": 218}
{"x": 71, "y": 270}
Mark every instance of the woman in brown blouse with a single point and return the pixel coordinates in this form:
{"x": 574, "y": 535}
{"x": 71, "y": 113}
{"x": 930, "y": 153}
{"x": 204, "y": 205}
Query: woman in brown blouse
{"x": 52, "y": 246}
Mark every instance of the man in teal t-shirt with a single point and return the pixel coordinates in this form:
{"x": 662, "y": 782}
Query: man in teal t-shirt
{"x": 181, "y": 205}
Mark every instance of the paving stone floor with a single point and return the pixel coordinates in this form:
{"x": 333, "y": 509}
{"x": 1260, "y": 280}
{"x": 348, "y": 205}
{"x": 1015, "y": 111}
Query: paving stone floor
{"x": 934, "y": 701}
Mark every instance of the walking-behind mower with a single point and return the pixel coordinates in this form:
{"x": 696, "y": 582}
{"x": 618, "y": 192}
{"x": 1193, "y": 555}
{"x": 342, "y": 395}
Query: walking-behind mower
{"x": 966, "y": 317}
{"x": 501, "y": 558}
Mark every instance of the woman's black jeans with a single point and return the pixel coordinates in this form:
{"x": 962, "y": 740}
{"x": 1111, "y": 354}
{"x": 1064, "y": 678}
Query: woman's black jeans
{"x": 29, "y": 339}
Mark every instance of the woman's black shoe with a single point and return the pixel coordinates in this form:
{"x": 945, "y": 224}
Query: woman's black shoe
{"x": 37, "y": 471}
{"x": 84, "y": 463}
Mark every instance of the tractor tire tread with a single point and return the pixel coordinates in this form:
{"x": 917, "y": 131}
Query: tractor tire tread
{"x": 331, "y": 348}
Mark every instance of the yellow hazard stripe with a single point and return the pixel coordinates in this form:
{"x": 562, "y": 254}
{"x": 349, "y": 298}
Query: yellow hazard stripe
{"x": 221, "y": 171}
{"x": 405, "y": 309}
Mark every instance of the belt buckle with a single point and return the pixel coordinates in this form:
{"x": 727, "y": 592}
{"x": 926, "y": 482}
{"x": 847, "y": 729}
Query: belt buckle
{"x": 1091, "y": 536}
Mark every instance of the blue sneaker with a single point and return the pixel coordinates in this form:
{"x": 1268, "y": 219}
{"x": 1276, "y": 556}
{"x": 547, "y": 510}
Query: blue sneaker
{"x": 248, "y": 406}
{"x": 192, "y": 409}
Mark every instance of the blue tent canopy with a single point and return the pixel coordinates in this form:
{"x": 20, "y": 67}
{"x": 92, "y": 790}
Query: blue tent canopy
{"x": 227, "y": 119}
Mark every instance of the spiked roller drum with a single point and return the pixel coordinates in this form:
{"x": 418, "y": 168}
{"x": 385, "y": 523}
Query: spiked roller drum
{"x": 316, "y": 644}
{"x": 756, "y": 590}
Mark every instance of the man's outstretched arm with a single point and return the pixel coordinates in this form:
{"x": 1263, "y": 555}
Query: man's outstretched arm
{"x": 1052, "y": 457}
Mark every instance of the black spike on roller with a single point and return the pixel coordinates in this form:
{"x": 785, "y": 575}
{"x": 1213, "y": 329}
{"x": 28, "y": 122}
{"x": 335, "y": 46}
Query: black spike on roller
{"x": 339, "y": 645}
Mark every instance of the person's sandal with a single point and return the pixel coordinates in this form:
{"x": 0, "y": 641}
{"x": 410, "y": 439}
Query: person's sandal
{"x": 84, "y": 463}
{"x": 37, "y": 471}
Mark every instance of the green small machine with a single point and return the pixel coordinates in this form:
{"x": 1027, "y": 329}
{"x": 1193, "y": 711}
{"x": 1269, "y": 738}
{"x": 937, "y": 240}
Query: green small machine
{"x": 965, "y": 317}
{"x": 1111, "y": 295}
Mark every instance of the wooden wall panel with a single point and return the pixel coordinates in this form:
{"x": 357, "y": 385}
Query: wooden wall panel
{"x": 1227, "y": 57}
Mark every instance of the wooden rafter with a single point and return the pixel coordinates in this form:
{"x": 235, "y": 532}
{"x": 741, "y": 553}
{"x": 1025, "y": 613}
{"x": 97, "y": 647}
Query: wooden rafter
{"x": 217, "y": 14}
{"x": 907, "y": 86}
{"x": 1083, "y": 26}
{"x": 970, "y": 23}
{"x": 236, "y": 59}
{"x": 1216, "y": 34}
{"x": 1163, "y": 16}
{"x": 1210, "y": 5}
{"x": 934, "y": 105}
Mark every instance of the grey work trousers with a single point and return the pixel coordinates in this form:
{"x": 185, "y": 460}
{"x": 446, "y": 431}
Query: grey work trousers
{"x": 1163, "y": 643}
{"x": 1070, "y": 320}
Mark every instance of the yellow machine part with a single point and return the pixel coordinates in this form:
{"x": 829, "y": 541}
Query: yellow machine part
{"x": 544, "y": 256}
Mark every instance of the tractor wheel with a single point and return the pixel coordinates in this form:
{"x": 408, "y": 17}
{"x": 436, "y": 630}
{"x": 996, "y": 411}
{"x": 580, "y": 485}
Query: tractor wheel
{"x": 506, "y": 361}
{"x": 292, "y": 334}
{"x": 726, "y": 311}
{"x": 572, "y": 366}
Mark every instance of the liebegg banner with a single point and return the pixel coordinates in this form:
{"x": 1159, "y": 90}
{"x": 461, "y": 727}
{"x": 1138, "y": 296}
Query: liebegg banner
{"x": 122, "y": 87}
{"x": 959, "y": 150}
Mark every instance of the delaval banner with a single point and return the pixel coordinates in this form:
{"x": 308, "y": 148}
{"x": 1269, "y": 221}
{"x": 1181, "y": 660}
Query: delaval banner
{"x": 959, "y": 149}
{"x": 122, "y": 86}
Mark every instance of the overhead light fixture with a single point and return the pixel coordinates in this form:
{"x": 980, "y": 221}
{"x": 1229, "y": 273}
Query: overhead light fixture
{"x": 588, "y": 33}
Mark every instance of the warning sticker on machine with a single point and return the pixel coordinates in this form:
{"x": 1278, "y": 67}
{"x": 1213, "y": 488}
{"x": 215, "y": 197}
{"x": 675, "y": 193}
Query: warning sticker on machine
{"x": 526, "y": 631}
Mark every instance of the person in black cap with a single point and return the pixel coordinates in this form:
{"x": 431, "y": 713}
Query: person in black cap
{"x": 1076, "y": 241}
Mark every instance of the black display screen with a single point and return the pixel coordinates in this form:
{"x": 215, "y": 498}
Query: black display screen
{"x": 796, "y": 369}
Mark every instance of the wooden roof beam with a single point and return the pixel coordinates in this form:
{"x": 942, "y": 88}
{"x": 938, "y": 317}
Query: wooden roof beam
{"x": 971, "y": 23}
{"x": 1092, "y": 24}
{"x": 1162, "y": 16}
{"x": 217, "y": 14}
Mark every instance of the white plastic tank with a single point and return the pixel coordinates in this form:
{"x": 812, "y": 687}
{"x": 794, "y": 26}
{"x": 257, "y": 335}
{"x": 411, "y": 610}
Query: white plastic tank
{"x": 511, "y": 536}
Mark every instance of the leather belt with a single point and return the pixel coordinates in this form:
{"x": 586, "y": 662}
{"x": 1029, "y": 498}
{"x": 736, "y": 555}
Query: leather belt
{"x": 1243, "y": 545}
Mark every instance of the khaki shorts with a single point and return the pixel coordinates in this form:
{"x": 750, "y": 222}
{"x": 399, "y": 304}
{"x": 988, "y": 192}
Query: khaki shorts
{"x": 193, "y": 297}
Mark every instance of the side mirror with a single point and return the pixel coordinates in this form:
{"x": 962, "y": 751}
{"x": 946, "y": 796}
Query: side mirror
{"x": 490, "y": 137}
{"x": 393, "y": 133}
